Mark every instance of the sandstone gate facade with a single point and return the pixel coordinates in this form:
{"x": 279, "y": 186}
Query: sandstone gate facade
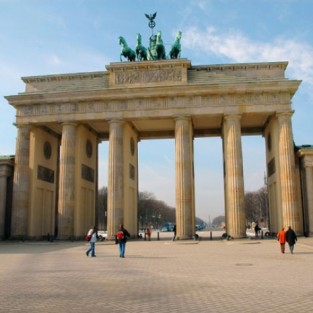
{"x": 62, "y": 118}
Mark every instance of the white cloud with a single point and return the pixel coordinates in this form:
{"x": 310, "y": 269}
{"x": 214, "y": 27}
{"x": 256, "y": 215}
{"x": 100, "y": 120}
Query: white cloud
{"x": 54, "y": 60}
{"x": 236, "y": 47}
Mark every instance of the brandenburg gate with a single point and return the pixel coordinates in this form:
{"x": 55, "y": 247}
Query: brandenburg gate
{"x": 61, "y": 119}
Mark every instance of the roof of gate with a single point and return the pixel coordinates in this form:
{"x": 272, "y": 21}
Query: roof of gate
{"x": 196, "y": 75}
{"x": 162, "y": 90}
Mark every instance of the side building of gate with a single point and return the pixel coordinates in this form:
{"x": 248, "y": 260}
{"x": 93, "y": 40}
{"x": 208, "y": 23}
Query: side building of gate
{"x": 61, "y": 119}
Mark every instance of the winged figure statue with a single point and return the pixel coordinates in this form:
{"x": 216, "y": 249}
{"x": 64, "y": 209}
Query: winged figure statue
{"x": 151, "y": 18}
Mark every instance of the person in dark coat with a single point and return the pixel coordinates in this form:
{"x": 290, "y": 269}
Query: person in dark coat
{"x": 291, "y": 238}
{"x": 257, "y": 229}
{"x": 174, "y": 230}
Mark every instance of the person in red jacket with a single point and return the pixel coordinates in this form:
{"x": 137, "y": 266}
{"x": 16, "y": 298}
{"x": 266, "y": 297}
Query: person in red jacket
{"x": 281, "y": 237}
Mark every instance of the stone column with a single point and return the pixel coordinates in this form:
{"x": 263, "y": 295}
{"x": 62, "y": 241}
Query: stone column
{"x": 289, "y": 199}
{"x": 66, "y": 206}
{"x": 308, "y": 173}
{"x": 115, "y": 179}
{"x": 233, "y": 172}
{"x": 185, "y": 203}
{"x": 20, "y": 204}
{"x": 5, "y": 172}
{"x": 3, "y": 198}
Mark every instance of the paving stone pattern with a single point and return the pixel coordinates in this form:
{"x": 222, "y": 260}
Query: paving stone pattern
{"x": 157, "y": 276}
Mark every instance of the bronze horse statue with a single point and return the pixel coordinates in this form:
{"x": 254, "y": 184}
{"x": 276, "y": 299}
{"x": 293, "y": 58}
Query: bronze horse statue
{"x": 141, "y": 51}
{"x": 126, "y": 52}
{"x": 159, "y": 47}
{"x": 156, "y": 50}
{"x": 176, "y": 47}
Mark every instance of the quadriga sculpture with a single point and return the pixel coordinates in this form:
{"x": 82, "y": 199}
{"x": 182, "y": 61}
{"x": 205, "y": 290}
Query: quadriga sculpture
{"x": 126, "y": 52}
{"x": 141, "y": 51}
{"x": 159, "y": 47}
{"x": 176, "y": 47}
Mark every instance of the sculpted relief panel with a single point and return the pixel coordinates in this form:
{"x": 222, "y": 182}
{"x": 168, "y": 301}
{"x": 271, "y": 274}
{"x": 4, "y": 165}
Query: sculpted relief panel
{"x": 148, "y": 76}
{"x": 221, "y": 101}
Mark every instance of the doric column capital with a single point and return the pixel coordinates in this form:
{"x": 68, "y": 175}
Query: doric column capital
{"x": 6, "y": 170}
{"x": 307, "y": 161}
{"x": 116, "y": 121}
{"x": 284, "y": 116}
{"x": 69, "y": 123}
{"x": 235, "y": 116}
{"x": 22, "y": 126}
{"x": 182, "y": 117}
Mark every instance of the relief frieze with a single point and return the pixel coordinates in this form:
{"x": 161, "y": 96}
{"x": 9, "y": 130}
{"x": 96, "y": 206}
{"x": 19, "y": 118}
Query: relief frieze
{"x": 152, "y": 104}
{"x": 148, "y": 76}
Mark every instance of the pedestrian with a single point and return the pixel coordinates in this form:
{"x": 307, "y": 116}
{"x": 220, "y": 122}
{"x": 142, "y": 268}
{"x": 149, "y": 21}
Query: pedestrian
{"x": 281, "y": 237}
{"x": 148, "y": 233}
{"x": 291, "y": 238}
{"x": 257, "y": 229}
{"x": 92, "y": 241}
{"x": 174, "y": 230}
{"x": 121, "y": 239}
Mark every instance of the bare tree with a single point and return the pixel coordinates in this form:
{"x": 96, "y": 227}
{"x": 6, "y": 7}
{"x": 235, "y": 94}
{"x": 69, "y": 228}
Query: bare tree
{"x": 256, "y": 206}
{"x": 150, "y": 210}
{"x": 101, "y": 216}
{"x": 219, "y": 221}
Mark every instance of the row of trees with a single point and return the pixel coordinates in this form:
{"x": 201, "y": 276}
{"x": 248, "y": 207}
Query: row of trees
{"x": 256, "y": 208}
{"x": 151, "y": 211}
{"x": 156, "y": 213}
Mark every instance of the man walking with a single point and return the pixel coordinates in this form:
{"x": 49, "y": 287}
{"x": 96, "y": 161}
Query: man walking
{"x": 291, "y": 238}
{"x": 121, "y": 239}
{"x": 93, "y": 238}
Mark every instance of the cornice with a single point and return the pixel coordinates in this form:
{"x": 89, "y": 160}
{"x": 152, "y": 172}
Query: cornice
{"x": 63, "y": 77}
{"x": 125, "y": 93}
{"x": 242, "y": 66}
{"x": 305, "y": 152}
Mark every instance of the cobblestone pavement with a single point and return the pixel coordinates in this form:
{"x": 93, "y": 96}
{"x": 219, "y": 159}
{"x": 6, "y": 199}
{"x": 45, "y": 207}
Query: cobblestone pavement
{"x": 157, "y": 276}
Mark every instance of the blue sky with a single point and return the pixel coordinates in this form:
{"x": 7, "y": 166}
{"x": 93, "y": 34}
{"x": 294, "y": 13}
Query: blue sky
{"x": 41, "y": 37}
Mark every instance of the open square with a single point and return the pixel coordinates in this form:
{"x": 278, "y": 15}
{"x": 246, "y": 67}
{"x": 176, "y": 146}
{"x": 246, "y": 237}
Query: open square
{"x": 157, "y": 276}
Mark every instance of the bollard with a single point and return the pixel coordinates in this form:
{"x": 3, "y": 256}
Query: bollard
{"x": 261, "y": 234}
{"x": 145, "y": 237}
{"x": 158, "y": 235}
{"x": 210, "y": 235}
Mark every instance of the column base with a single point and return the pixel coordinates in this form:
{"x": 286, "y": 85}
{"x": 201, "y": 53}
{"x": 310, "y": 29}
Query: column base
{"x": 185, "y": 237}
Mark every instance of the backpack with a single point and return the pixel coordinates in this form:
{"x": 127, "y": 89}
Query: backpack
{"x": 89, "y": 234}
{"x": 120, "y": 235}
